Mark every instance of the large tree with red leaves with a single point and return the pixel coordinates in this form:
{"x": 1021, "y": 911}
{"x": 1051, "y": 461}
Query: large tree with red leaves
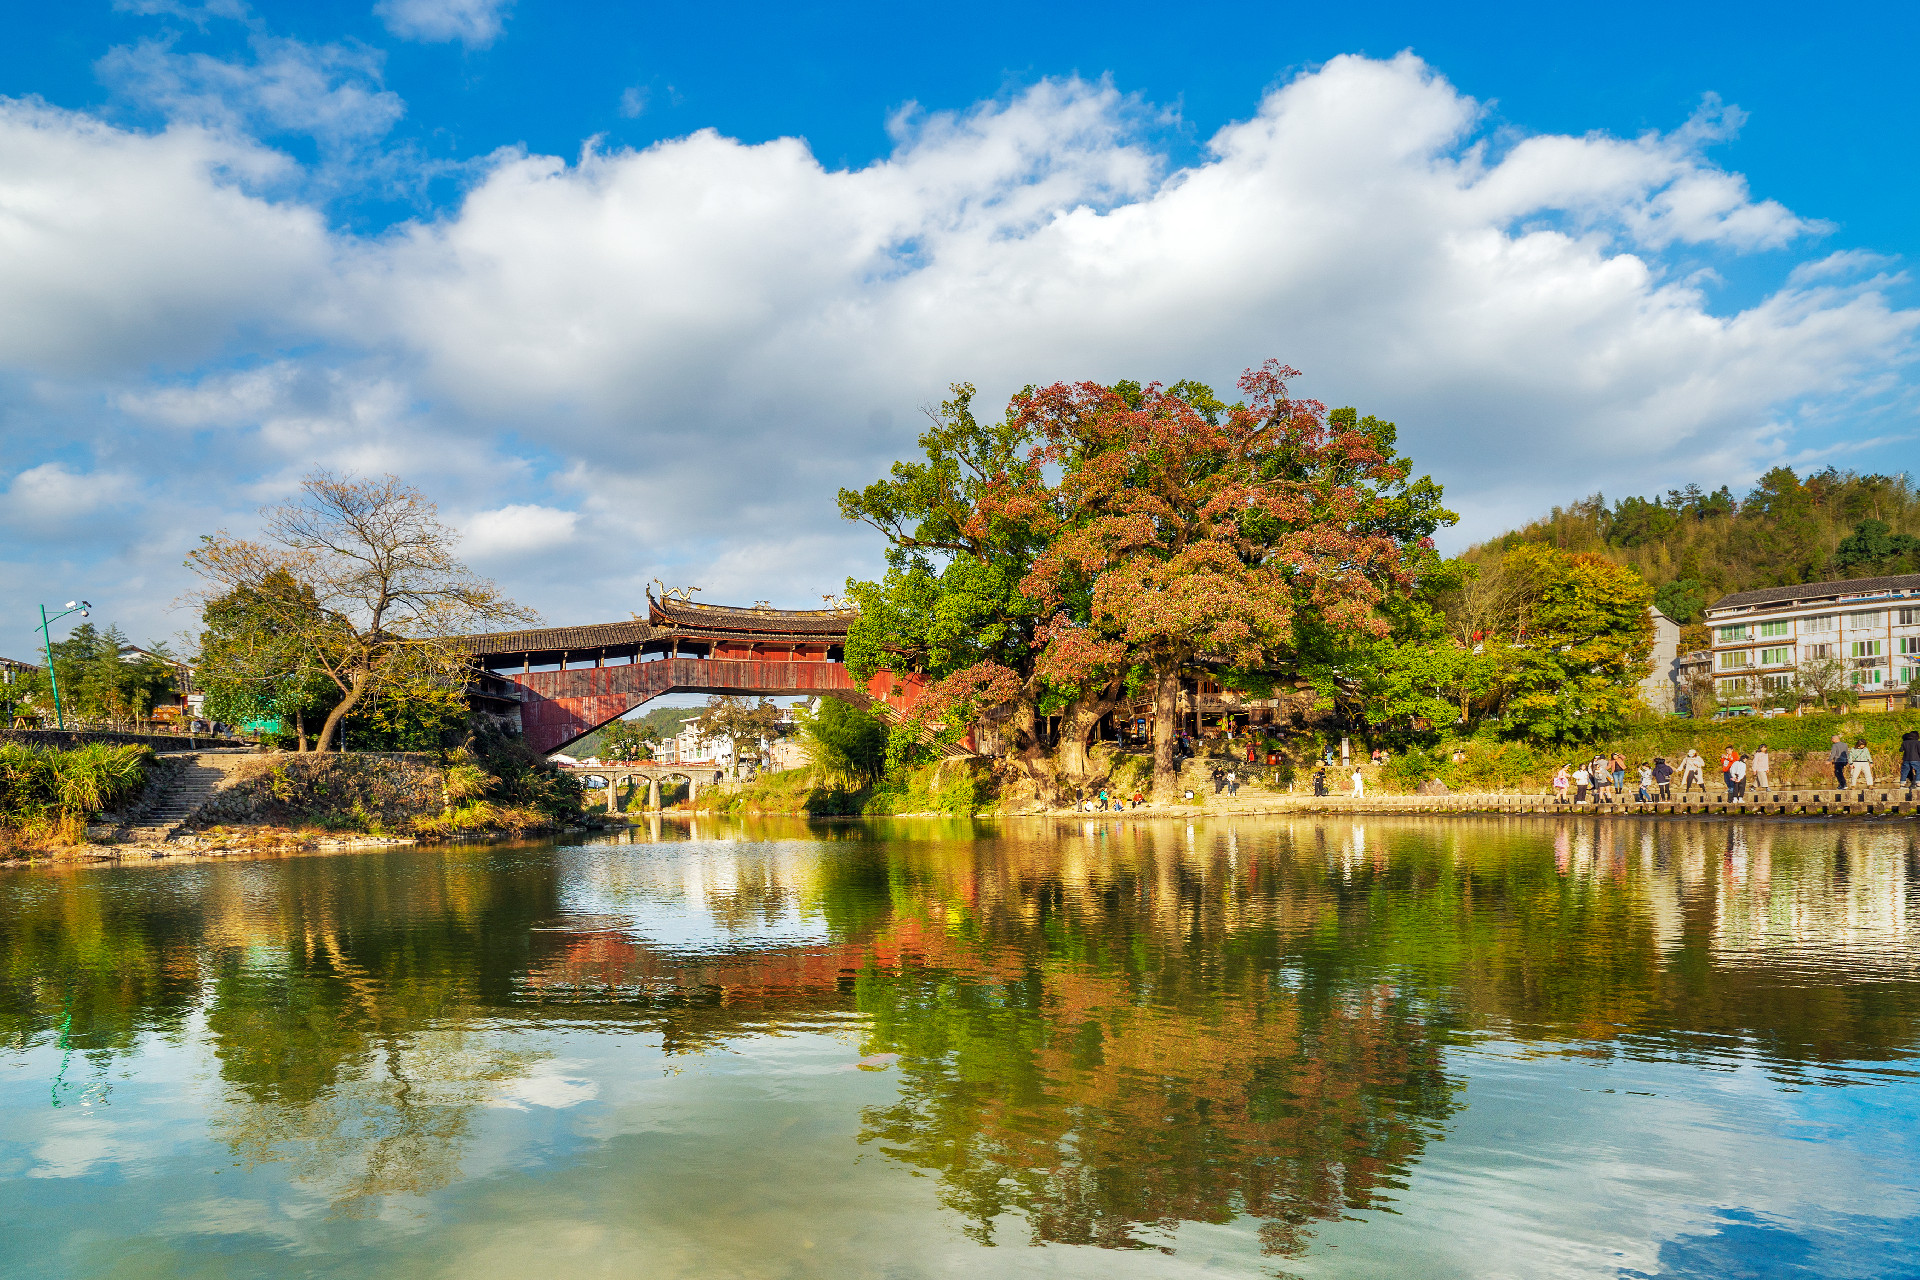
{"x": 1180, "y": 530}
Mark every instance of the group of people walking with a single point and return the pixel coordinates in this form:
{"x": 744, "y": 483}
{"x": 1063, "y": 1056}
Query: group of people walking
{"x": 1606, "y": 776}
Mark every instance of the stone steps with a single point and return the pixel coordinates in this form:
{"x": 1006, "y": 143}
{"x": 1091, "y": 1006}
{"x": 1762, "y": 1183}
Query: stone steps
{"x": 198, "y": 778}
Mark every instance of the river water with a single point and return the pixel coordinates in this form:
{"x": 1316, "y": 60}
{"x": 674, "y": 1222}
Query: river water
{"x": 1459, "y": 1047}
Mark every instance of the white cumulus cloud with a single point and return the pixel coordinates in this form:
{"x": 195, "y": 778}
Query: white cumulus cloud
{"x": 472, "y": 22}
{"x": 677, "y": 354}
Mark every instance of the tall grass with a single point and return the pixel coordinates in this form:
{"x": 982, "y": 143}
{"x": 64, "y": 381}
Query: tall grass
{"x": 47, "y": 794}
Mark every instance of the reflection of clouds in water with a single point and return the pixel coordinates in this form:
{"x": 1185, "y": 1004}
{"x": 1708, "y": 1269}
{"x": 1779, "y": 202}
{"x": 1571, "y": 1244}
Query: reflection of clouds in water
{"x": 547, "y": 1085}
{"x": 1568, "y": 1168}
{"x": 699, "y": 895}
{"x": 79, "y": 1142}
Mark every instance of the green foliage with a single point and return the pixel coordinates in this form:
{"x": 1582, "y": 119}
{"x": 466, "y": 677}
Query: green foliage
{"x": 253, "y": 666}
{"x": 1788, "y": 530}
{"x": 1684, "y": 599}
{"x": 625, "y": 740}
{"x": 1575, "y": 671}
{"x": 951, "y": 598}
{"x": 48, "y": 792}
{"x": 745, "y": 723}
{"x": 427, "y": 713}
{"x": 96, "y": 684}
{"x": 1874, "y": 549}
{"x": 845, "y": 745}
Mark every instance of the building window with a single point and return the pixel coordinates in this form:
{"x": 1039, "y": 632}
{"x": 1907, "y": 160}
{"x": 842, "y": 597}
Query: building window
{"x": 1733, "y": 661}
{"x": 1777, "y": 657}
{"x": 1909, "y": 644}
{"x": 1909, "y": 616}
{"x": 1817, "y": 626}
{"x": 1865, "y": 648}
{"x": 1772, "y": 683}
{"x": 1869, "y": 676}
{"x": 1734, "y": 688}
{"x": 1819, "y": 651}
{"x": 1872, "y": 619}
{"x": 1774, "y": 630}
{"x": 1729, "y": 635}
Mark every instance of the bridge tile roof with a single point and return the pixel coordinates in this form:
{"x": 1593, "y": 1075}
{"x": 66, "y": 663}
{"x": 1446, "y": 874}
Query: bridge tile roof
{"x": 602, "y": 635}
{"x": 764, "y": 621}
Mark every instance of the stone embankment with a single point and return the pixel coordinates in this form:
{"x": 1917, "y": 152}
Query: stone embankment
{"x": 1797, "y": 801}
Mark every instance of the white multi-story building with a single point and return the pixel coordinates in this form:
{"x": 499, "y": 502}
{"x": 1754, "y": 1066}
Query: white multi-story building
{"x": 1870, "y": 624}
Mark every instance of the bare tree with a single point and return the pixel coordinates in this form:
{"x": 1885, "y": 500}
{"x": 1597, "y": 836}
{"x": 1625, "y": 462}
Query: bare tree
{"x": 1824, "y": 680}
{"x": 382, "y": 599}
{"x": 1699, "y": 686}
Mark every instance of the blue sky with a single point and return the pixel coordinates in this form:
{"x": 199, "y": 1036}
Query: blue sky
{"x": 490, "y": 247}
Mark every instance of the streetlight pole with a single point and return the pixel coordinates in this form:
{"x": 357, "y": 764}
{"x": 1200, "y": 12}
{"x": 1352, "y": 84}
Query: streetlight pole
{"x": 80, "y": 607}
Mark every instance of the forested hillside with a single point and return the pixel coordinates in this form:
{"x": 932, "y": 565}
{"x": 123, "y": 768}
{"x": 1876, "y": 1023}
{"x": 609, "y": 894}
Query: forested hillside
{"x": 1693, "y": 547}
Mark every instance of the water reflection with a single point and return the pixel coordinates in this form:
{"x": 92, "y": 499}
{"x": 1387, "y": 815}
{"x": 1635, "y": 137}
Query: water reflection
{"x": 1096, "y": 1032}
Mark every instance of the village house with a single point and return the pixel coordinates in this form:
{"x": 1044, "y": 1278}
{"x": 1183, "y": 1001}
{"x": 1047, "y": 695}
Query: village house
{"x": 1760, "y": 638}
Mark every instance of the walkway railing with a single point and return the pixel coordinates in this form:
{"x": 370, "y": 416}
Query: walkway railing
{"x": 1851, "y": 802}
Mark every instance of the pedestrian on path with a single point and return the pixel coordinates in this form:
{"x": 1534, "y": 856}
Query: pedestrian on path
{"x": 1860, "y": 764}
{"x": 1737, "y": 779}
{"x": 1359, "y": 783}
{"x": 1693, "y": 769}
{"x": 1560, "y": 785}
{"x": 1910, "y": 758}
{"x": 1838, "y": 756}
{"x": 1233, "y": 783}
{"x": 1762, "y": 766}
{"x": 1645, "y": 793}
{"x": 1727, "y": 757}
{"x": 1320, "y": 781}
{"x": 1582, "y": 779}
{"x": 1619, "y": 774}
{"x": 1663, "y": 777}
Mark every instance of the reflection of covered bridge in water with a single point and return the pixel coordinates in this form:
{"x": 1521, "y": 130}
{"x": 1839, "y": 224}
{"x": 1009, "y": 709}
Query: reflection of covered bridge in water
{"x": 558, "y": 684}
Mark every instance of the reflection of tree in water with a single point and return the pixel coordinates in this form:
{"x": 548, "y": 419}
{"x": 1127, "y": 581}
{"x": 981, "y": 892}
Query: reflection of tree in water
{"x": 392, "y": 1122}
{"x": 339, "y": 995}
{"x": 1112, "y": 1062}
{"x": 358, "y": 1076}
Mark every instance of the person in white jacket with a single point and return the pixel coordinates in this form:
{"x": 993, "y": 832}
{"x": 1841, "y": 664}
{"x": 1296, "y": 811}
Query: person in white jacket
{"x": 1359, "y": 784}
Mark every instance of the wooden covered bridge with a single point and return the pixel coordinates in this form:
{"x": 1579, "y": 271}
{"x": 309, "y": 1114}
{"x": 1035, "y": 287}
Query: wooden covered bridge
{"x": 558, "y": 684}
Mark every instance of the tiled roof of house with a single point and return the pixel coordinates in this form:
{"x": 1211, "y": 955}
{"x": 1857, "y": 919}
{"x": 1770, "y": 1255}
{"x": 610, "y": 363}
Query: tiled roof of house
{"x": 1818, "y": 590}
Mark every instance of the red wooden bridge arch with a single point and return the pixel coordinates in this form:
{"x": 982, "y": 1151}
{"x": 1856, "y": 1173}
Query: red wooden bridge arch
{"x": 559, "y": 684}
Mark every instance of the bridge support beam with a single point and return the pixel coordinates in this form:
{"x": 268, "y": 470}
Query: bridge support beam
{"x": 653, "y": 794}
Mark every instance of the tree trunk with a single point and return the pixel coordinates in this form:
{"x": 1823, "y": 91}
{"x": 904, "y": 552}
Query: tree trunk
{"x": 300, "y": 729}
{"x": 355, "y": 693}
{"x": 1030, "y": 753}
{"x": 1166, "y": 710}
{"x": 1077, "y": 723}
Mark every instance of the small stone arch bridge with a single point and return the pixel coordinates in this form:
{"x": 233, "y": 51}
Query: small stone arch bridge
{"x": 558, "y": 684}
{"x": 653, "y": 774}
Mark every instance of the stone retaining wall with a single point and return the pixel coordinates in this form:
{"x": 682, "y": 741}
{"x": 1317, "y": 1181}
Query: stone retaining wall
{"x": 67, "y": 739}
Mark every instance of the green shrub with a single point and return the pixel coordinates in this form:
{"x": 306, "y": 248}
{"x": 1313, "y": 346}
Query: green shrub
{"x": 49, "y": 793}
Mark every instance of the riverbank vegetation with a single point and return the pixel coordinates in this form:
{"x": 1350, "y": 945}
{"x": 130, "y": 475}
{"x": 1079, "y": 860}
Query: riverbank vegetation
{"x": 48, "y": 795}
{"x": 498, "y": 786}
